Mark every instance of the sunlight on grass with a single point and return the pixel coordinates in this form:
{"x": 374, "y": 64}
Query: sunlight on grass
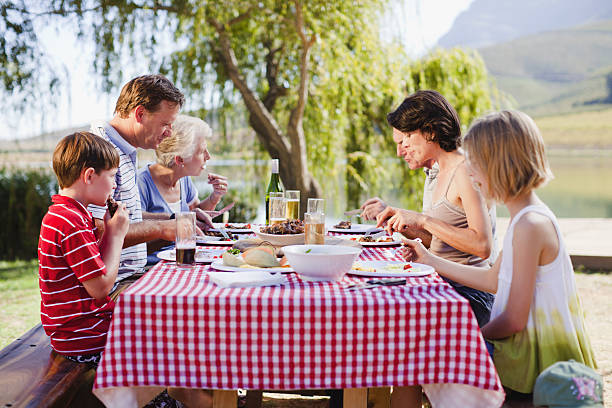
{"x": 20, "y": 300}
{"x": 583, "y": 129}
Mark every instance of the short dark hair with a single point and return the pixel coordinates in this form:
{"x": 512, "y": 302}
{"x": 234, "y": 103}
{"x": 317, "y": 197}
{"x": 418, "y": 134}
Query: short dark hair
{"x": 430, "y": 113}
{"x": 79, "y": 151}
{"x": 148, "y": 91}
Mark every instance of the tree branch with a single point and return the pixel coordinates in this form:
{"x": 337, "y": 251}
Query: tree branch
{"x": 296, "y": 131}
{"x": 274, "y": 90}
{"x": 241, "y": 17}
{"x": 262, "y": 116}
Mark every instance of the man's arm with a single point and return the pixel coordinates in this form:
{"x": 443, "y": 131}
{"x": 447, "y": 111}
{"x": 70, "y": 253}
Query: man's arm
{"x": 155, "y": 216}
{"x": 145, "y": 231}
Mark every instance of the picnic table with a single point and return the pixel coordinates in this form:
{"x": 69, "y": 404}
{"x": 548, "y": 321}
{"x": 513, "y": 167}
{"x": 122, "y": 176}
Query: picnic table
{"x": 175, "y": 328}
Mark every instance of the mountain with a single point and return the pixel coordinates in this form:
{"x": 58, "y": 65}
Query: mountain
{"x": 554, "y": 71}
{"x": 488, "y": 22}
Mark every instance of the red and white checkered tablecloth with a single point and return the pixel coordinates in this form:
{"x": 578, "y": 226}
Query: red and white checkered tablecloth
{"x": 175, "y": 328}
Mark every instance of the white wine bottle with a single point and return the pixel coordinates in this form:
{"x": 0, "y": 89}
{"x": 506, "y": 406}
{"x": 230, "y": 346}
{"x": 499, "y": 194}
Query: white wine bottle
{"x": 275, "y": 186}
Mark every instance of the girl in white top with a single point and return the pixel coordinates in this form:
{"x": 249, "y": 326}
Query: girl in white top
{"x": 536, "y": 318}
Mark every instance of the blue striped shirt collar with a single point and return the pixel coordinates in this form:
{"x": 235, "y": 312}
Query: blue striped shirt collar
{"x": 120, "y": 142}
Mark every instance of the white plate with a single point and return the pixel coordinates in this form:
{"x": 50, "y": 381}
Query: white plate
{"x": 356, "y": 229}
{"x": 368, "y": 244}
{"x": 218, "y": 265}
{"x": 416, "y": 270}
{"x": 242, "y": 230}
{"x": 202, "y": 255}
{"x": 216, "y": 241}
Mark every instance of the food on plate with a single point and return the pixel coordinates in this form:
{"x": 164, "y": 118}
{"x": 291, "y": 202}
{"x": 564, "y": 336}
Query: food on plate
{"x": 285, "y": 228}
{"x": 368, "y": 238}
{"x": 359, "y": 267}
{"x": 261, "y": 256}
{"x": 393, "y": 268}
{"x": 112, "y": 206}
{"x": 238, "y": 226}
{"x": 219, "y": 235}
{"x": 343, "y": 225}
{"x": 232, "y": 257}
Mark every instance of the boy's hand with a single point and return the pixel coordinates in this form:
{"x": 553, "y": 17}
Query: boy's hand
{"x": 119, "y": 223}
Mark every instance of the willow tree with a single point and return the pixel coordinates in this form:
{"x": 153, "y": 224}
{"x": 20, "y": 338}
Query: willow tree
{"x": 314, "y": 77}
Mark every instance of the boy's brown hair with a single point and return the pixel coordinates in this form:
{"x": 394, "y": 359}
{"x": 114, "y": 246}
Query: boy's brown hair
{"x": 79, "y": 151}
{"x": 148, "y": 91}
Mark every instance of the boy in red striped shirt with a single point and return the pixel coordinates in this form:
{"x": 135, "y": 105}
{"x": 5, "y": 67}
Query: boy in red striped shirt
{"x": 76, "y": 271}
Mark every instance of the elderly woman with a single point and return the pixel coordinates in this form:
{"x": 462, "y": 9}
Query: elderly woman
{"x": 456, "y": 222}
{"x": 165, "y": 186}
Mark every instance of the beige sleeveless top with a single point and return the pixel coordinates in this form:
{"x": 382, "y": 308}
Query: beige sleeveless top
{"x": 453, "y": 215}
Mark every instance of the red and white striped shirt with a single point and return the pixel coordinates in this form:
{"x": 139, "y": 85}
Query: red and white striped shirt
{"x": 68, "y": 254}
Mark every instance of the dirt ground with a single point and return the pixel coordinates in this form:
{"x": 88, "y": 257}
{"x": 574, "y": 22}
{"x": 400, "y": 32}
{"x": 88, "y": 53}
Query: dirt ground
{"x": 596, "y": 294}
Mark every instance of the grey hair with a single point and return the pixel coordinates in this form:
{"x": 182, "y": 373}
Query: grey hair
{"x": 182, "y": 141}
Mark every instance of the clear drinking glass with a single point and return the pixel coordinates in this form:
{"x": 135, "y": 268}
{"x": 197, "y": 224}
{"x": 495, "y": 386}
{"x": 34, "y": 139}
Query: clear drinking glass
{"x": 278, "y": 210}
{"x": 185, "y": 238}
{"x": 314, "y": 228}
{"x": 316, "y": 205}
{"x": 293, "y": 204}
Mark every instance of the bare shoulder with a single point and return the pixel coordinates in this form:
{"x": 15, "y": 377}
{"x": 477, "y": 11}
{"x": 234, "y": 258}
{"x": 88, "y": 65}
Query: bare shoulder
{"x": 534, "y": 225}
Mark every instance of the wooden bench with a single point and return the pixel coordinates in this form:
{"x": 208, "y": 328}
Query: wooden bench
{"x": 33, "y": 375}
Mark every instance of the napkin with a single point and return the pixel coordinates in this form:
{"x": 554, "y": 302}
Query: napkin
{"x": 247, "y": 279}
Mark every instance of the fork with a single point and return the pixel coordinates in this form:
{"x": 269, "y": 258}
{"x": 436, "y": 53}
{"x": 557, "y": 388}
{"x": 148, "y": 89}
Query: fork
{"x": 223, "y": 232}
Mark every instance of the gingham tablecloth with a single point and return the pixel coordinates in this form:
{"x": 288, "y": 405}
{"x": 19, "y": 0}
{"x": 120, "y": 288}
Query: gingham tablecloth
{"x": 175, "y": 328}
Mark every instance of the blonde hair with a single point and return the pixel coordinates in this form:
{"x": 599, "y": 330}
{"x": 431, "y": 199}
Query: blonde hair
{"x": 187, "y": 131}
{"x": 507, "y": 147}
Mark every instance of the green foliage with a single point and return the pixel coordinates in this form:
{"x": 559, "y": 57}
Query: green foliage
{"x": 244, "y": 210}
{"x": 25, "y": 197}
{"x": 352, "y": 79}
{"x": 461, "y": 76}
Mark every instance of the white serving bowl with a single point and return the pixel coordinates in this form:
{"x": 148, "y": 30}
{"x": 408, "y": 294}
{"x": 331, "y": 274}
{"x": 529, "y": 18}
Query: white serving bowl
{"x": 280, "y": 240}
{"x": 321, "y": 262}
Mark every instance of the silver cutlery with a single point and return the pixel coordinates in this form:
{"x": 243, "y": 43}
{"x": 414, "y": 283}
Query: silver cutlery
{"x": 223, "y": 232}
{"x": 352, "y": 212}
{"x": 215, "y": 213}
{"x": 376, "y": 235}
{"x": 373, "y": 283}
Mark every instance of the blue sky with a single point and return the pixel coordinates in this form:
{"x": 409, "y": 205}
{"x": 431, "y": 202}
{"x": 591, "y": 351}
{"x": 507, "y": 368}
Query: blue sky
{"x": 417, "y": 23}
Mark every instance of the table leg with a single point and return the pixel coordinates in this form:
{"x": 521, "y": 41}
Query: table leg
{"x": 379, "y": 397}
{"x": 225, "y": 398}
{"x": 253, "y": 398}
{"x": 355, "y": 398}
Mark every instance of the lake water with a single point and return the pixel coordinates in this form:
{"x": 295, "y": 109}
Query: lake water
{"x": 582, "y": 187}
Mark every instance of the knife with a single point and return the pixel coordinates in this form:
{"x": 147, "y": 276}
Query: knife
{"x": 214, "y": 213}
{"x": 223, "y": 232}
{"x": 353, "y": 212}
{"x": 372, "y": 283}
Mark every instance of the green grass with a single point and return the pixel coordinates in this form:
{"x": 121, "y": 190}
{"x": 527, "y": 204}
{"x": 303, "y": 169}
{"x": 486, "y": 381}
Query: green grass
{"x": 20, "y": 300}
{"x": 581, "y": 129}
